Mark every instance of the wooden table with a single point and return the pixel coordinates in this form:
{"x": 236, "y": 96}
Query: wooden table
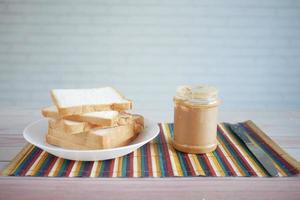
{"x": 282, "y": 126}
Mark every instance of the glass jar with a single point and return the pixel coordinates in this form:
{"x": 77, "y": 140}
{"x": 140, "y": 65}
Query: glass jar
{"x": 195, "y": 119}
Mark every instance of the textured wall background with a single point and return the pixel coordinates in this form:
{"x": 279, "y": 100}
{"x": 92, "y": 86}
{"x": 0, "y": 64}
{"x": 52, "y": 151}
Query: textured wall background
{"x": 145, "y": 48}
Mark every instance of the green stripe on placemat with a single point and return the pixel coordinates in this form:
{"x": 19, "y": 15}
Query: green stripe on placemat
{"x": 159, "y": 159}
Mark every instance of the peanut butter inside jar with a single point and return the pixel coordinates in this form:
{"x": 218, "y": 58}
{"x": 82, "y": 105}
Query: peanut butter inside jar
{"x": 195, "y": 119}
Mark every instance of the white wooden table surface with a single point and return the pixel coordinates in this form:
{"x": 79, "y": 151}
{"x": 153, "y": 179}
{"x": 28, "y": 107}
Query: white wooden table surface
{"x": 282, "y": 126}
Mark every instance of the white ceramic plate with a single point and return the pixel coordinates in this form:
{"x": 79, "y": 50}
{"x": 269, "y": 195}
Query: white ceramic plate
{"x": 35, "y": 134}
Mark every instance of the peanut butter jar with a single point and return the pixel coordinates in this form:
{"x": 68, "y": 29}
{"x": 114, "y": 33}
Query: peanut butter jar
{"x": 195, "y": 119}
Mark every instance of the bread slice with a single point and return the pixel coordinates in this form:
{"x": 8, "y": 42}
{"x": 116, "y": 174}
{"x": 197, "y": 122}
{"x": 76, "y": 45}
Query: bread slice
{"x": 73, "y": 127}
{"x": 101, "y": 118}
{"x": 97, "y": 138}
{"x": 68, "y": 126}
{"x": 58, "y": 141}
{"x": 79, "y": 101}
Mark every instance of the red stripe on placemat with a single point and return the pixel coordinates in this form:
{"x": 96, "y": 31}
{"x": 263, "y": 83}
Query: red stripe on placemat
{"x": 247, "y": 165}
{"x": 148, "y": 157}
{"x": 226, "y": 162}
{"x": 23, "y": 172}
{"x": 70, "y": 166}
{"x": 111, "y": 168}
{"x": 166, "y": 152}
{"x": 210, "y": 168}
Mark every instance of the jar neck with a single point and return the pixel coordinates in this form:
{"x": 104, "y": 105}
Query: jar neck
{"x": 197, "y": 102}
{"x": 202, "y": 101}
{"x": 197, "y": 95}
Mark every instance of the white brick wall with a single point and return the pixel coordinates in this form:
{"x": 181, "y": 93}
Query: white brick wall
{"x": 249, "y": 49}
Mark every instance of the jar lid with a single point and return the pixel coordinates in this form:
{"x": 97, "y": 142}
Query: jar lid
{"x": 197, "y": 94}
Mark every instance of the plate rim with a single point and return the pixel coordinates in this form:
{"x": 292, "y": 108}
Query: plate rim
{"x": 56, "y": 148}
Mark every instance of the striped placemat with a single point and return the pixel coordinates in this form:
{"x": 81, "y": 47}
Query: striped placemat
{"x": 159, "y": 159}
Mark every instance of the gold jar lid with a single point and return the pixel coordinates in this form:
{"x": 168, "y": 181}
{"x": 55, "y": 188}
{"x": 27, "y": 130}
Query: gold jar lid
{"x": 199, "y": 94}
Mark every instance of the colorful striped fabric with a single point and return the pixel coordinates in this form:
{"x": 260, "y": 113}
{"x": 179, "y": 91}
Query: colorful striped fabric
{"x": 159, "y": 159}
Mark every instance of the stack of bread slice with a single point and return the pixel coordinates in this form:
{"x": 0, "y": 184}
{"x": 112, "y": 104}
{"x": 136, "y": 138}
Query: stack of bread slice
{"x": 91, "y": 119}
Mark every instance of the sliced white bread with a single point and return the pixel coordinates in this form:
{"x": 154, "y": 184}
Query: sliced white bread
{"x": 97, "y": 138}
{"x": 61, "y": 142}
{"x": 108, "y": 118}
{"x": 79, "y": 101}
{"x": 68, "y": 126}
{"x": 100, "y": 118}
